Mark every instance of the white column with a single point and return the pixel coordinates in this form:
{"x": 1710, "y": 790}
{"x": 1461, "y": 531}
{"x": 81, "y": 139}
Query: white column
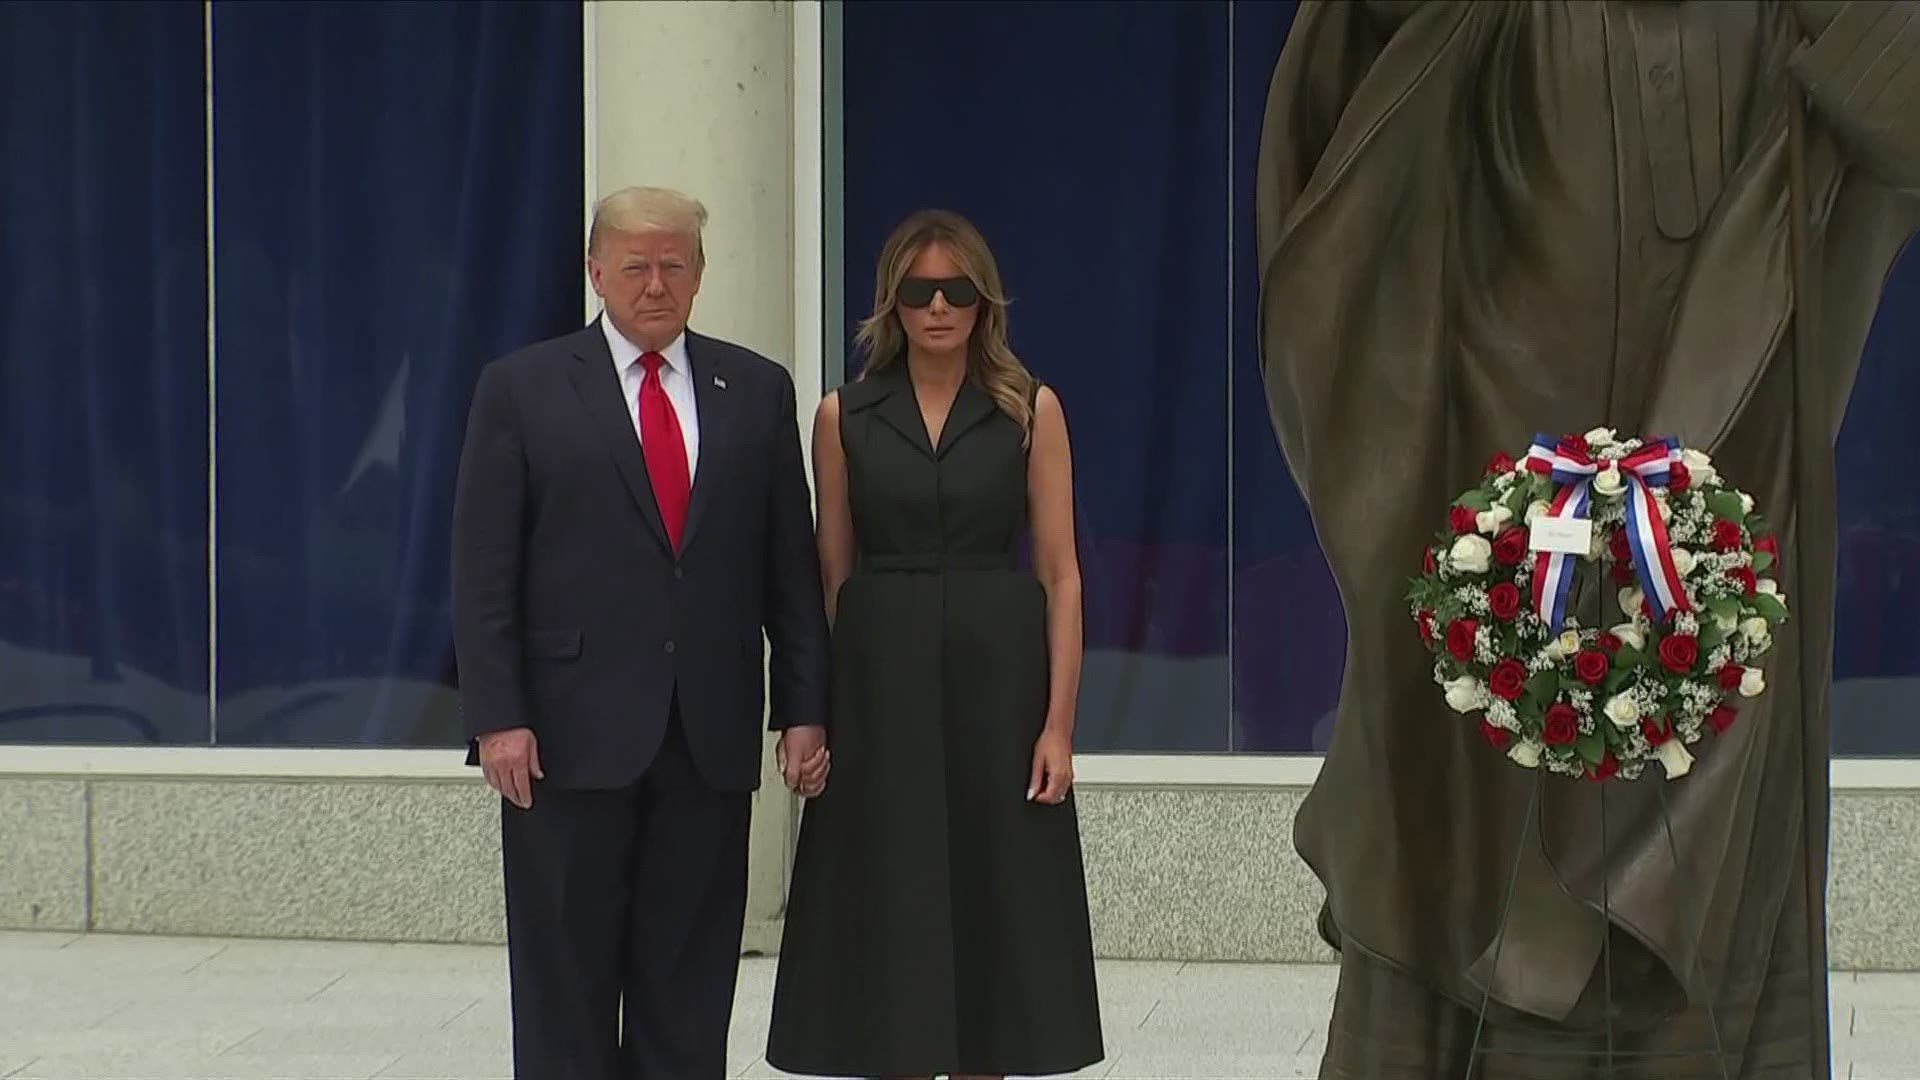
{"x": 699, "y": 97}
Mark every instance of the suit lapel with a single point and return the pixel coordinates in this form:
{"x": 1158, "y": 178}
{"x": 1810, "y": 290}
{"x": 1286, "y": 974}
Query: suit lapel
{"x": 972, "y": 406}
{"x": 714, "y": 400}
{"x": 605, "y": 400}
{"x": 900, "y": 410}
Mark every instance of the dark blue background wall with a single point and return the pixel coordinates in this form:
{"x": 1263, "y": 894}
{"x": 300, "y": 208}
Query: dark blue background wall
{"x": 396, "y": 199}
{"x": 1108, "y": 153}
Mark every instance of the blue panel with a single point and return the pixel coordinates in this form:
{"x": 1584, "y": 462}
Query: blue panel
{"x": 1289, "y": 638}
{"x": 1876, "y": 663}
{"x": 398, "y": 200}
{"x": 103, "y": 369}
{"x": 1091, "y": 148}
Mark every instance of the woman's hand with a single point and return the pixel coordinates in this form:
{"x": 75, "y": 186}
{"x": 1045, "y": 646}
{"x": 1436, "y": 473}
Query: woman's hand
{"x": 1052, "y": 769}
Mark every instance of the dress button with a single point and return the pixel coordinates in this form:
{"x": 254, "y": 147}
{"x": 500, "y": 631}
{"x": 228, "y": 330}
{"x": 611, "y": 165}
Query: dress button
{"x": 669, "y": 646}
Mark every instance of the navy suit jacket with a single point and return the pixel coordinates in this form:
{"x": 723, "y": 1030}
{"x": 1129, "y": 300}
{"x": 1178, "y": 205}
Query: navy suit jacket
{"x": 572, "y": 614}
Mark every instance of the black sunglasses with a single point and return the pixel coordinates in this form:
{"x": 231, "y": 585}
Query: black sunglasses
{"x": 917, "y": 292}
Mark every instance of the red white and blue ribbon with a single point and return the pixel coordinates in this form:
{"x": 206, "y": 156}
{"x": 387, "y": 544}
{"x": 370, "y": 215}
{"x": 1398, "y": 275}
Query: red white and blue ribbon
{"x": 1645, "y": 469}
{"x": 1553, "y": 571}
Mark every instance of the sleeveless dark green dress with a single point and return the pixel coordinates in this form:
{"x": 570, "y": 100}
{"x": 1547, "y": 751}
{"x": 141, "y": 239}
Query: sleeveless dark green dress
{"x": 937, "y": 920}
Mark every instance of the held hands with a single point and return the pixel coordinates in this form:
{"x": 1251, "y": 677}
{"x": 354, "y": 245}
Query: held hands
{"x": 803, "y": 759}
{"x": 511, "y": 761}
{"x": 1052, "y": 769}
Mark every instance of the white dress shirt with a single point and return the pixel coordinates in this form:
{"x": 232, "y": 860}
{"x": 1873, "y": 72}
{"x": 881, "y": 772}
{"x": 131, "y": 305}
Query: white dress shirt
{"x": 676, "y": 377}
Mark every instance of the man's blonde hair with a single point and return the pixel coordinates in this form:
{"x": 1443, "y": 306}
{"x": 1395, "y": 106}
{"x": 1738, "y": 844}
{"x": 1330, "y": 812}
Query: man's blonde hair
{"x": 637, "y": 209}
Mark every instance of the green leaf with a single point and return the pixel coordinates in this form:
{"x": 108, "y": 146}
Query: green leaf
{"x": 1724, "y": 607}
{"x": 1770, "y": 609}
{"x": 1726, "y": 505}
{"x": 1479, "y": 501}
{"x": 1544, "y": 687}
{"x": 1517, "y": 503}
{"x": 1629, "y": 658}
{"x": 1762, "y": 561}
{"x": 1616, "y": 679}
{"x": 1591, "y": 747}
{"x": 1711, "y": 636}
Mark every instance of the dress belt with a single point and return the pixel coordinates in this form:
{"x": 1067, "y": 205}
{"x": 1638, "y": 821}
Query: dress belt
{"x": 933, "y": 562}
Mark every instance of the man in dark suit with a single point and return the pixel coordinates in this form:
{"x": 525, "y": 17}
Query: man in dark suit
{"x": 631, "y": 515}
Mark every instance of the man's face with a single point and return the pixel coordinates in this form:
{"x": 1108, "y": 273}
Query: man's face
{"x": 648, "y": 280}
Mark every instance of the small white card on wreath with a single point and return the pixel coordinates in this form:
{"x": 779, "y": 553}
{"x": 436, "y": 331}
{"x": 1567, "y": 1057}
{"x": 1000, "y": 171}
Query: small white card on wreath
{"x": 1562, "y": 536}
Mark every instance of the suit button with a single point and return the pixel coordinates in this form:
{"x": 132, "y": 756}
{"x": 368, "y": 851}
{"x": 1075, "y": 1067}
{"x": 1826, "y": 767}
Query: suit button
{"x": 678, "y": 573}
{"x": 669, "y": 646}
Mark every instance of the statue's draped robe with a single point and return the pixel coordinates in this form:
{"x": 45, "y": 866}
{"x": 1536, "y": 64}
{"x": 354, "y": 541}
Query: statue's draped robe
{"x": 1480, "y": 220}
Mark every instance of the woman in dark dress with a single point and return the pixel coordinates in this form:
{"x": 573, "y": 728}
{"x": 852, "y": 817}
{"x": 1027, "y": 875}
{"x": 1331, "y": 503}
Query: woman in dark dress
{"x": 937, "y": 922}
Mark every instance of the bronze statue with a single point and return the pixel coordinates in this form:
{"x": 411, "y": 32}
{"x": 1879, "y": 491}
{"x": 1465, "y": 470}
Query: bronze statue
{"x": 1479, "y": 220}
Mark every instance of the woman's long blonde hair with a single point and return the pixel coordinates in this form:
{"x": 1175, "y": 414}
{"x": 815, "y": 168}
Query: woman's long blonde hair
{"x": 882, "y": 342}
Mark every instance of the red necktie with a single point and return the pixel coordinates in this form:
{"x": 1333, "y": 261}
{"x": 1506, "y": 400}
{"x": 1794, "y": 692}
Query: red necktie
{"x": 665, "y": 449}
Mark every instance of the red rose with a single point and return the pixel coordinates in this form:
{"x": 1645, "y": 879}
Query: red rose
{"x": 1679, "y": 477}
{"x": 1727, "y": 536}
{"x": 1621, "y": 573}
{"x": 1426, "y": 627}
{"x": 1769, "y": 544}
{"x": 1496, "y": 737}
{"x": 1655, "y": 730}
{"x": 1730, "y": 676}
{"x": 1511, "y": 545}
{"x": 1618, "y": 547}
{"x": 1609, "y": 642}
{"x": 1575, "y": 447}
{"x": 1591, "y": 666}
{"x": 1562, "y": 725}
{"x": 1722, "y": 718}
{"x": 1429, "y": 563}
{"x": 1504, "y": 600}
{"x": 1463, "y": 520}
{"x": 1744, "y": 576}
{"x": 1508, "y": 679}
{"x": 1679, "y": 652}
{"x": 1460, "y": 638}
{"x": 1605, "y": 770}
{"x": 1501, "y": 463}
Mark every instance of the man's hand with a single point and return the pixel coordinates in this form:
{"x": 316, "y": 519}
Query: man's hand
{"x": 511, "y": 761}
{"x": 803, "y": 759}
{"x": 1052, "y": 769}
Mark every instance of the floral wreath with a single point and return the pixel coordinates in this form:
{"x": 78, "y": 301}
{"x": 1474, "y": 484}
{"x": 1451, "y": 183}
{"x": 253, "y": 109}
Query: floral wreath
{"x": 1693, "y": 561}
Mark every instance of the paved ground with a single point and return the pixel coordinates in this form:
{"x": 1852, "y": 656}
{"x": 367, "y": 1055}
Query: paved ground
{"x": 133, "y": 1008}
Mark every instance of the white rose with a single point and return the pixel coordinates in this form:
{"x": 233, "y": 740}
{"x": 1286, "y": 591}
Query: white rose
{"x": 1563, "y": 646}
{"x": 1746, "y": 503}
{"x": 1769, "y": 587}
{"x": 1631, "y": 637}
{"x": 1700, "y": 466}
{"x": 1630, "y": 600}
{"x": 1756, "y": 630}
{"x": 1683, "y": 561}
{"x": 1526, "y": 753}
{"x": 1674, "y": 757}
{"x": 1753, "y": 683}
{"x": 1727, "y": 623}
{"x": 1472, "y": 554}
{"x": 1490, "y": 521}
{"x": 1536, "y": 510}
{"x": 1620, "y": 709}
{"x": 1609, "y": 483}
{"x": 1464, "y": 694}
{"x": 1601, "y": 436}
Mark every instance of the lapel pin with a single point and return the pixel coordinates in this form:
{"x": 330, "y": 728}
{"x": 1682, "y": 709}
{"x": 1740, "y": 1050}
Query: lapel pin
{"x": 719, "y": 382}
